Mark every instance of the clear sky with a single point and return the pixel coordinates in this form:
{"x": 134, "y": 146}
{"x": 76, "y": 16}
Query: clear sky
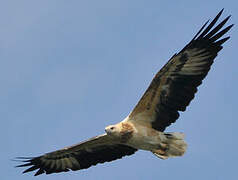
{"x": 70, "y": 68}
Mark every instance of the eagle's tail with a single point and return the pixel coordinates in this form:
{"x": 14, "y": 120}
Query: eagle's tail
{"x": 174, "y": 145}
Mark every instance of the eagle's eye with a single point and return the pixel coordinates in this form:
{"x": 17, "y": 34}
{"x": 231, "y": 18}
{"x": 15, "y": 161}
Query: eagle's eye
{"x": 111, "y": 128}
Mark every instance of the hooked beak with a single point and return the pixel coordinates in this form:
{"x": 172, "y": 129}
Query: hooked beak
{"x": 109, "y": 129}
{"x": 106, "y": 130}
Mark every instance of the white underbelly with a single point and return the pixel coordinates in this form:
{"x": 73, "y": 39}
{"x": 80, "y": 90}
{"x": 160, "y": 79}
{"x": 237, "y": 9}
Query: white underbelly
{"x": 146, "y": 139}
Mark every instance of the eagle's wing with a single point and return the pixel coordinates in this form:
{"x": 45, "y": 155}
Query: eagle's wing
{"x": 174, "y": 86}
{"x": 96, "y": 150}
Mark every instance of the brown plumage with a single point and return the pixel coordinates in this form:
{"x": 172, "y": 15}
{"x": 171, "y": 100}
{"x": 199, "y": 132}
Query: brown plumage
{"x": 80, "y": 156}
{"x": 171, "y": 91}
{"x": 175, "y": 85}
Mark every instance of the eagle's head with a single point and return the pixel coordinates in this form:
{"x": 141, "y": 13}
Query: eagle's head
{"x": 113, "y": 130}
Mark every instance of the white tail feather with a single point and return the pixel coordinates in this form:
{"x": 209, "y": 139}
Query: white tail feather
{"x": 174, "y": 145}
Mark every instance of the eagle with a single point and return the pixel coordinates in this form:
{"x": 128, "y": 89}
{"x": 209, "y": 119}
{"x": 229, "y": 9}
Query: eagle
{"x": 170, "y": 91}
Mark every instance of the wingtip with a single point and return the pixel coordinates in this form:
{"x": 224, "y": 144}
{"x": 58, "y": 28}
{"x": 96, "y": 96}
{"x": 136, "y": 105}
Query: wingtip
{"x": 16, "y": 160}
{"x": 219, "y": 14}
{"x": 206, "y": 22}
{"x": 221, "y": 11}
{"x": 22, "y": 159}
{"x": 40, "y": 171}
{"x": 220, "y": 42}
{"x": 24, "y": 165}
{"x": 25, "y": 172}
{"x": 227, "y": 38}
{"x": 227, "y": 18}
{"x": 230, "y": 26}
{"x": 200, "y": 30}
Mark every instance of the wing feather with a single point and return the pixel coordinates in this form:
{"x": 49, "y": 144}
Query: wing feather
{"x": 175, "y": 85}
{"x": 96, "y": 150}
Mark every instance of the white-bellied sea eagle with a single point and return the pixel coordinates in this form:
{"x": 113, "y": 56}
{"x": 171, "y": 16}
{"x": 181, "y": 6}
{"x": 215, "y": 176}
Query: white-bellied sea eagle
{"x": 170, "y": 91}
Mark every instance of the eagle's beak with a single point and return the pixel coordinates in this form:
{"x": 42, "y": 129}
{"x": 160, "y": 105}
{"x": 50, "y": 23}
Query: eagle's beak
{"x": 106, "y": 130}
{"x": 109, "y": 129}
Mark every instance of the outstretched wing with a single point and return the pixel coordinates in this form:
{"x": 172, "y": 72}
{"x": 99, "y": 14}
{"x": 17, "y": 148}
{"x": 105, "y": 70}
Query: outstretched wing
{"x": 174, "y": 86}
{"x": 96, "y": 150}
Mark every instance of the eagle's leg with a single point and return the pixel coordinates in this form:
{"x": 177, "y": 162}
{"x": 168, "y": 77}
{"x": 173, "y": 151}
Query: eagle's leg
{"x": 161, "y": 151}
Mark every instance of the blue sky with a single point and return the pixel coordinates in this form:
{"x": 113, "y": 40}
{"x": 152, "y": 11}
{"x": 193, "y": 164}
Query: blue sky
{"x": 70, "y": 68}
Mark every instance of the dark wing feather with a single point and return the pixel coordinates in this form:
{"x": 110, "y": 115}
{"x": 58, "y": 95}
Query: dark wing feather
{"x": 96, "y": 150}
{"x": 175, "y": 85}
